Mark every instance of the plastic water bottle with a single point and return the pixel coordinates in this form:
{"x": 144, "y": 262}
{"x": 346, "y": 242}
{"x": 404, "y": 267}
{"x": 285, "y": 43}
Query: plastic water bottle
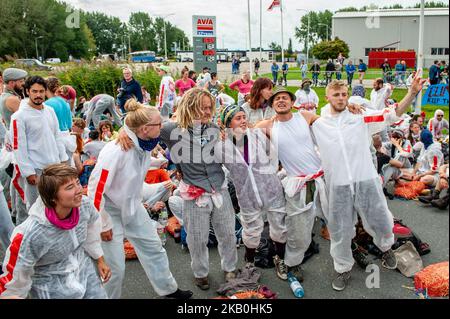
{"x": 162, "y": 233}
{"x": 163, "y": 217}
{"x": 296, "y": 287}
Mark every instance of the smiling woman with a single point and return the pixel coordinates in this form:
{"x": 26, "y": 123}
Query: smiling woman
{"x": 50, "y": 255}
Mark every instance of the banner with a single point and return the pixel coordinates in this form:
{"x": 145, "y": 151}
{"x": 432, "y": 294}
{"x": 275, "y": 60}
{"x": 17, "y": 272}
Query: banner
{"x": 436, "y": 94}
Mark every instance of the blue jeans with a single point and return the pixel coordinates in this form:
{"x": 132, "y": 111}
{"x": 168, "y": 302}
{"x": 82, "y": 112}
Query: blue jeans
{"x": 275, "y": 77}
{"x": 6, "y": 224}
{"x": 349, "y": 78}
{"x": 315, "y": 77}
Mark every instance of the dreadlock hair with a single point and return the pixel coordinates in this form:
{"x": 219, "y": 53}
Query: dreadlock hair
{"x": 190, "y": 107}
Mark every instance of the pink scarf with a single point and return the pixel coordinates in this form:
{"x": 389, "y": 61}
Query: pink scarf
{"x": 67, "y": 223}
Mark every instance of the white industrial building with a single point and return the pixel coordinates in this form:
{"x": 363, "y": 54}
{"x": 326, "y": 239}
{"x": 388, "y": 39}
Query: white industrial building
{"x": 395, "y": 29}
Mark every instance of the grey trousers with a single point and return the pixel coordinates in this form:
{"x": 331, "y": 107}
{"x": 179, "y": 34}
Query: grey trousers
{"x": 197, "y": 221}
{"x": 31, "y": 191}
{"x": 389, "y": 171}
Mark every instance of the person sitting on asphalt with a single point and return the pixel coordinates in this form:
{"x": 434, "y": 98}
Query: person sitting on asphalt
{"x": 434, "y": 198}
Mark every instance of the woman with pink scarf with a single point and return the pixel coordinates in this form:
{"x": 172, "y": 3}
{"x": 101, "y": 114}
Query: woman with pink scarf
{"x": 56, "y": 253}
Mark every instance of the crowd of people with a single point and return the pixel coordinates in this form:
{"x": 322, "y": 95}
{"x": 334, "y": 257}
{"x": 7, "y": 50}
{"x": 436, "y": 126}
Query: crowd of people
{"x": 81, "y": 176}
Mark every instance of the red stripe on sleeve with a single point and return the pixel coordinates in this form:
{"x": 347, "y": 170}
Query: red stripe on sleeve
{"x": 16, "y": 183}
{"x": 435, "y": 163}
{"x": 161, "y": 97}
{"x": 13, "y": 254}
{"x": 373, "y": 118}
{"x": 100, "y": 189}
{"x": 15, "y": 137}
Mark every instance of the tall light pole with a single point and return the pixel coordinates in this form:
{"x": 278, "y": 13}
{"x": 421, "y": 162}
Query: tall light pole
{"x": 307, "y": 36}
{"x": 35, "y": 41}
{"x": 249, "y": 39}
{"x": 165, "y": 33}
{"x": 418, "y": 106}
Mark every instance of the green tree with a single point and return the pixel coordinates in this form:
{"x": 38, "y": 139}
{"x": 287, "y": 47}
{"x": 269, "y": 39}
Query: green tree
{"x": 289, "y": 49}
{"x": 330, "y": 49}
{"x": 108, "y": 31}
{"x": 275, "y": 46}
{"x": 142, "y": 32}
{"x": 317, "y": 32}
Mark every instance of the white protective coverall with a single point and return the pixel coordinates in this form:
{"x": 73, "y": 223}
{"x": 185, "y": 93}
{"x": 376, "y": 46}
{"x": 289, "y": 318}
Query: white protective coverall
{"x": 378, "y": 101}
{"x": 352, "y": 181}
{"x": 257, "y": 185}
{"x": 115, "y": 186}
{"x": 402, "y": 156}
{"x": 6, "y": 225}
{"x": 306, "y": 101}
{"x": 167, "y": 96}
{"x": 304, "y": 185}
{"x": 48, "y": 262}
{"x": 37, "y": 142}
{"x": 430, "y": 159}
{"x": 98, "y": 105}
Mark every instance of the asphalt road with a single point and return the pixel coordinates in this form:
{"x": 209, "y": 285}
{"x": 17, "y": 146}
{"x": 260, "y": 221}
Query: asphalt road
{"x": 429, "y": 223}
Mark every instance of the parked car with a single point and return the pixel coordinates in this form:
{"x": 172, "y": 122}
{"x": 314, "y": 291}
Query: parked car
{"x": 187, "y": 59}
{"x": 33, "y": 64}
{"x": 244, "y": 59}
{"x": 105, "y": 58}
{"x": 159, "y": 59}
{"x": 53, "y": 60}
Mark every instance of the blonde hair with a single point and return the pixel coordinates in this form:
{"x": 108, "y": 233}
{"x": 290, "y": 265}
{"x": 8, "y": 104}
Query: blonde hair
{"x": 138, "y": 114}
{"x": 336, "y": 85}
{"x": 190, "y": 107}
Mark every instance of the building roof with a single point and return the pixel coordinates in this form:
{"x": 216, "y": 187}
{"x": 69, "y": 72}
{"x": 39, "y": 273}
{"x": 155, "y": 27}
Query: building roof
{"x": 392, "y": 13}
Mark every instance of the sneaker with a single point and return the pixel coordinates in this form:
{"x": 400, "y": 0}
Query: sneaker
{"x": 280, "y": 267}
{"x": 388, "y": 260}
{"x": 180, "y": 294}
{"x": 202, "y": 283}
{"x": 297, "y": 271}
{"x": 229, "y": 275}
{"x": 340, "y": 282}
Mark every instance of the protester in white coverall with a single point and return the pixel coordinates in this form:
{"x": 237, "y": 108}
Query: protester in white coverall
{"x": 306, "y": 98}
{"x": 36, "y": 139}
{"x": 115, "y": 186}
{"x": 51, "y": 254}
{"x": 167, "y": 92}
{"x": 252, "y": 164}
{"x": 304, "y": 185}
{"x": 97, "y": 106}
{"x": 6, "y": 225}
{"x": 399, "y": 149}
{"x": 353, "y": 184}
{"x": 378, "y": 101}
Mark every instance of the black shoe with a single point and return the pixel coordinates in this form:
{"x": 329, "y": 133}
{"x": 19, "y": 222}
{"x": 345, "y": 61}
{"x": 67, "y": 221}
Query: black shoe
{"x": 1, "y": 269}
{"x": 387, "y": 194}
{"x": 360, "y": 258}
{"x": 180, "y": 294}
{"x": 427, "y": 199}
{"x": 440, "y": 203}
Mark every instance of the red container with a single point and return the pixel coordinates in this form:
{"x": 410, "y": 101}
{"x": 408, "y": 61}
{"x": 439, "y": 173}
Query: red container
{"x": 376, "y": 58}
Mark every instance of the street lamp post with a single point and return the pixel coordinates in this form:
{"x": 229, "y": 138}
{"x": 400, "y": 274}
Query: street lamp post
{"x": 165, "y": 33}
{"x": 35, "y": 41}
{"x": 307, "y": 37}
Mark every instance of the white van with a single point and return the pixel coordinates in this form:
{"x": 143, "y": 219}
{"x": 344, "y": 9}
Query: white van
{"x": 53, "y": 60}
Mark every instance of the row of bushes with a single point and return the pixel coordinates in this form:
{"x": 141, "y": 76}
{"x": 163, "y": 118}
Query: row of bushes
{"x": 92, "y": 79}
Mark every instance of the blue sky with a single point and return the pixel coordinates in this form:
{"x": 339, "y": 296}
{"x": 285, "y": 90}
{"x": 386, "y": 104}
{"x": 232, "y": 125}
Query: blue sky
{"x": 232, "y": 27}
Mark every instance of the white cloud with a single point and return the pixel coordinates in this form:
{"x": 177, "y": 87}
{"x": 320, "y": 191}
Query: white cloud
{"x": 232, "y": 26}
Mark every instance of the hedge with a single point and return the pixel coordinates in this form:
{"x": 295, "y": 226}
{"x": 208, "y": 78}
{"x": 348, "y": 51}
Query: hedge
{"x": 92, "y": 79}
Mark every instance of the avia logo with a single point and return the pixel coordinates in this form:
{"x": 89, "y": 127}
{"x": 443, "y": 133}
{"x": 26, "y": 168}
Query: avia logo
{"x": 204, "y": 24}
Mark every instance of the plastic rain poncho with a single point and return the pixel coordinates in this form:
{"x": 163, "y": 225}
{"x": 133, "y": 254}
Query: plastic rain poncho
{"x": 47, "y": 262}
{"x": 167, "y": 96}
{"x": 352, "y": 181}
